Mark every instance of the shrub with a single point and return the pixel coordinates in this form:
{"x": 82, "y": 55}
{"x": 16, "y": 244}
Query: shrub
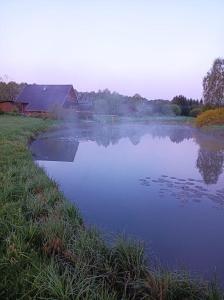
{"x": 211, "y": 117}
{"x": 195, "y": 112}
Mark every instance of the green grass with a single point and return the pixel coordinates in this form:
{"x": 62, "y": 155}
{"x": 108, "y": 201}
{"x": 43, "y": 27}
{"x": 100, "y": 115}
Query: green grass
{"x": 46, "y": 252}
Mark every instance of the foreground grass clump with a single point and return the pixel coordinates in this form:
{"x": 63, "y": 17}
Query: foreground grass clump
{"x": 211, "y": 117}
{"x": 47, "y": 253}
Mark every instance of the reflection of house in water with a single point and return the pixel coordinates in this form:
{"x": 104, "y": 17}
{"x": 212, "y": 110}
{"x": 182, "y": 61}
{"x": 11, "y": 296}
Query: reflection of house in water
{"x": 52, "y": 149}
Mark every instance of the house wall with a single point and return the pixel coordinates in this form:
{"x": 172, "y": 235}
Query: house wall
{"x": 8, "y": 106}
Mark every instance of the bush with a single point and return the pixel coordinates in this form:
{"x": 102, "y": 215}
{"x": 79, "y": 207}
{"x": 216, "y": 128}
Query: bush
{"x": 211, "y": 117}
{"x": 195, "y": 112}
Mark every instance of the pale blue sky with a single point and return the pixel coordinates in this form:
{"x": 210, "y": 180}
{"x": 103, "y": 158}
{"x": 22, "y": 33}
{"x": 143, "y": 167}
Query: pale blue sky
{"x": 156, "y": 48}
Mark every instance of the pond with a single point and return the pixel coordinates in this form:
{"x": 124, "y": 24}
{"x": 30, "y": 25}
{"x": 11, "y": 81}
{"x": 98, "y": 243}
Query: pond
{"x": 161, "y": 184}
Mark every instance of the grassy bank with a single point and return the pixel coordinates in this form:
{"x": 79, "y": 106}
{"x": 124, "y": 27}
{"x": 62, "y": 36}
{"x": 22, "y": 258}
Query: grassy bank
{"x": 47, "y": 253}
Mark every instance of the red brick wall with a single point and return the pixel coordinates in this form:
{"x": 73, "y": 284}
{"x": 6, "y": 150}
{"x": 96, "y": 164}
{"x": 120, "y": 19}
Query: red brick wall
{"x": 8, "y": 106}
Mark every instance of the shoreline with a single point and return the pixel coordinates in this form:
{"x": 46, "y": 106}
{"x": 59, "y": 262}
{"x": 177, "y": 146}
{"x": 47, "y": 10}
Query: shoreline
{"x": 46, "y": 244}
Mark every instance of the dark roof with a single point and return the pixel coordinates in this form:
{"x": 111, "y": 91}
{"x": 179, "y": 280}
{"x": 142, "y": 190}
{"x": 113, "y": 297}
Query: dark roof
{"x": 44, "y": 97}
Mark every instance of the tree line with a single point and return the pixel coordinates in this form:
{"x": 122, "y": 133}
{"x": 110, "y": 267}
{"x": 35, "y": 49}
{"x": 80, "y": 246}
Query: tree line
{"x": 113, "y": 103}
{"x": 107, "y": 102}
{"x": 188, "y": 107}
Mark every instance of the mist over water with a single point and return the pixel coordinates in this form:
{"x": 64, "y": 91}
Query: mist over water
{"x": 162, "y": 184}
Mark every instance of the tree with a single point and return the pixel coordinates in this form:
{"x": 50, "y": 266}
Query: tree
{"x": 9, "y": 90}
{"x": 175, "y": 109}
{"x": 106, "y": 91}
{"x": 183, "y": 103}
{"x": 213, "y": 84}
{"x": 137, "y": 97}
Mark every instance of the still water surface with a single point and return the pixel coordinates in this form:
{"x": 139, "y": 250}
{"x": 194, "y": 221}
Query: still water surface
{"x": 162, "y": 184}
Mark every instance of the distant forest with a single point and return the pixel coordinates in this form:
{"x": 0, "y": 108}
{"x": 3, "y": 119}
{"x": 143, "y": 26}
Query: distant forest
{"x": 113, "y": 103}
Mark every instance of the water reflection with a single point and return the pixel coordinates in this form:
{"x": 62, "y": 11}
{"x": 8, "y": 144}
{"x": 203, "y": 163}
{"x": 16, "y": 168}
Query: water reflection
{"x": 54, "y": 149}
{"x": 62, "y": 145}
{"x": 138, "y": 178}
{"x": 210, "y": 165}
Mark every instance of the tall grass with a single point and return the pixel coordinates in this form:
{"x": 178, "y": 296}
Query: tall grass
{"x": 47, "y": 253}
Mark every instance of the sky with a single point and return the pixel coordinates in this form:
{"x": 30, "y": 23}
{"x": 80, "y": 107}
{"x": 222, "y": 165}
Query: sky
{"x": 157, "y": 48}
